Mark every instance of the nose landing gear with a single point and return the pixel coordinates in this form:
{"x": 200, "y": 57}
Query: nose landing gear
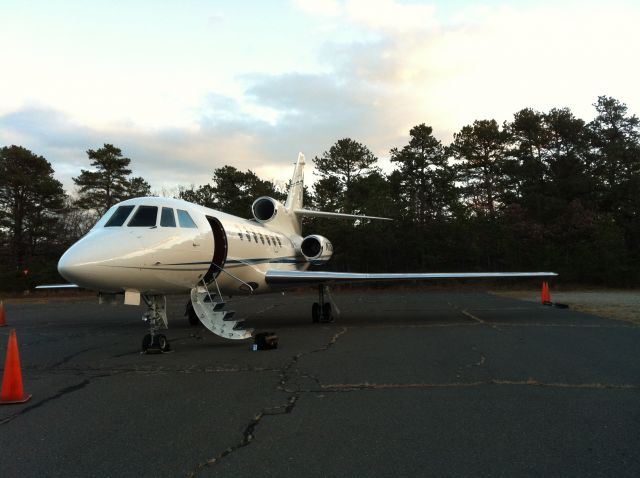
{"x": 156, "y": 343}
{"x": 156, "y": 316}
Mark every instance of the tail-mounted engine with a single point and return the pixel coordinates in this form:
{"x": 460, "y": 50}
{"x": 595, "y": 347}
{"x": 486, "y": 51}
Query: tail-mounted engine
{"x": 316, "y": 249}
{"x": 266, "y": 209}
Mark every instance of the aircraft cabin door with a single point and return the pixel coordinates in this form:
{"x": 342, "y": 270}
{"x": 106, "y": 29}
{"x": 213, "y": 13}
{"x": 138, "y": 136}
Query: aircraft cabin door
{"x": 220, "y": 249}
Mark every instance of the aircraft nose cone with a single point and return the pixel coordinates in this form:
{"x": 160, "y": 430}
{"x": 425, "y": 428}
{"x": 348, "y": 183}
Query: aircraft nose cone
{"x": 73, "y": 267}
{"x": 69, "y": 267}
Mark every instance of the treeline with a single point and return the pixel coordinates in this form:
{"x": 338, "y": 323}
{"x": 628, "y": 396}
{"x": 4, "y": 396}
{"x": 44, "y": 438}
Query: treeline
{"x": 39, "y": 220}
{"x": 544, "y": 191}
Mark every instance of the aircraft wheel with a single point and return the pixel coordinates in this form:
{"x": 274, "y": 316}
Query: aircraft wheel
{"x": 191, "y": 315}
{"x": 146, "y": 343}
{"x": 315, "y": 312}
{"x": 162, "y": 343}
{"x": 327, "y": 312}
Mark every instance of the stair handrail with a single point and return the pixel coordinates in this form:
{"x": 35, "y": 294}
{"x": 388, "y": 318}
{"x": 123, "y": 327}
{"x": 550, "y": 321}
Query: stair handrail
{"x": 209, "y": 293}
{"x": 229, "y": 274}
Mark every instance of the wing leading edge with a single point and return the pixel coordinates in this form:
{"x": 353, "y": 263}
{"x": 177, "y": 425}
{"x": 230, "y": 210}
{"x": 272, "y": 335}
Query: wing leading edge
{"x": 58, "y": 286}
{"x": 337, "y": 215}
{"x": 282, "y": 277}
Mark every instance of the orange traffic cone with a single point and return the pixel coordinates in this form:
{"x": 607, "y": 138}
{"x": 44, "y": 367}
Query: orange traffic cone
{"x": 12, "y": 390}
{"x": 546, "y": 296}
{"x": 3, "y": 319}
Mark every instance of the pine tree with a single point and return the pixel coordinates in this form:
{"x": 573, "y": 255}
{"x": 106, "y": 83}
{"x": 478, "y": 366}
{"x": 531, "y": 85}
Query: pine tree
{"x": 30, "y": 199}
{"x": 427, "y": 180}
{"x": 346, "y": 161}
{"x": 108, "y": 184}
{"x": 481, "y": 149}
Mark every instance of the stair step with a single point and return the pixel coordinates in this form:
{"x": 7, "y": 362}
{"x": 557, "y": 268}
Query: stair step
{"x": 209, "y": 298}
{"x": 215, "y": 318}
{"x": 219, "y": 305}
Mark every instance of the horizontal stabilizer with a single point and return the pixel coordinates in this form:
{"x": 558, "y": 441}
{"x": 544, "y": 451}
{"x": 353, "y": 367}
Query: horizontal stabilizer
{"x": 317, "y": 277}
{"x": 310, "y": 213}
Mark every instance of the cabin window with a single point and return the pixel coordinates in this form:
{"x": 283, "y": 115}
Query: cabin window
{"x": 279, "y": 243}
{"x": 145, "y": 216}
{"x": 240, "y": 235}
{"x": 118, "y": 218}
{"x": 255, "y": 237}
{"x": 167, "y": 218}
{"x": 268, "y": 241}
{"x": 248, "y": 235}
{"x": 185, "y": 219}
{"x": 262, "y": 237}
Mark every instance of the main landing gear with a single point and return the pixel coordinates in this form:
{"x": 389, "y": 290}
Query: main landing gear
{"x": 321, "y": 311}
{"x": 156, "y": 317}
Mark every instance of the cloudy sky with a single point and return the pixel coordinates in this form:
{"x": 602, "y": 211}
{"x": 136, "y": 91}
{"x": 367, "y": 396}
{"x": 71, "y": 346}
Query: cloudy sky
{"x": 183, "y": 87}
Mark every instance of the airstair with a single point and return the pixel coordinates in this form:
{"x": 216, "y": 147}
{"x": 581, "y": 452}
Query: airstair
{"x": 210, "y": 309}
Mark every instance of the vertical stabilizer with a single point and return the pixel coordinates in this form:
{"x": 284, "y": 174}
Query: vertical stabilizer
{"x": 296, "y": 188}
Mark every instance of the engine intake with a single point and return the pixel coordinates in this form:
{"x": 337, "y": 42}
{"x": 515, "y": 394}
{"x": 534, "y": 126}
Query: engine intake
{"x": 264, "y": 209}
{"x": 316, "y": 249}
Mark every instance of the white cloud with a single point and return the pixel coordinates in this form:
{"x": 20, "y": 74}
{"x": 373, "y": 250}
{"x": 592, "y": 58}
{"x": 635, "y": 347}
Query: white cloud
{"x": 488, "y": 61}
{"x": 164, "y": 157}
{"x": 387, "y": 66}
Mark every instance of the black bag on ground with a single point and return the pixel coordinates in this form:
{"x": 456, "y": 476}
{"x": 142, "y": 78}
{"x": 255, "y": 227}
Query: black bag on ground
{"x": 266, "y": 341}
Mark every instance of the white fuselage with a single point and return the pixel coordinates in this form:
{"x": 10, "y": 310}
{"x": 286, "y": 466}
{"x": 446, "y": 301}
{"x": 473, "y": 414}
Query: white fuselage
{"x": 160, "y": 259}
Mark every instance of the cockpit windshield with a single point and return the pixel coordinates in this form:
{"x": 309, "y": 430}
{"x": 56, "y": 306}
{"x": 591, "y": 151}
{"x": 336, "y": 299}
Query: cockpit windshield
{"x": 185, "y": 219}
{"x": 167, "y": 219}
{"x": 118, "y": 218}
{"x": 145, "y": 216}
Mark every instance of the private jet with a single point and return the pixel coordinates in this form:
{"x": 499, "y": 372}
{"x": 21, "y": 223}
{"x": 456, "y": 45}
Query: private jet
{"x": 148, "y": 247}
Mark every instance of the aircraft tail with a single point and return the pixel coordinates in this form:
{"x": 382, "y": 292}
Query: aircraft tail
{"x": 294, "y": 204}
{"x": 296, "y": 188}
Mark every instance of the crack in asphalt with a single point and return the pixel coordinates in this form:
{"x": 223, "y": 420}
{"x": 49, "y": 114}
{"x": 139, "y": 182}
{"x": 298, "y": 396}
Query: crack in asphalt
{"x": 286, "y": 376}
{"x": 247, "y": 434}
{"x": 60, "y": 394}
{"x": 150, "y": 371}
{"x": 290, "y": 378}
{"x": 474, "y": 318}
{"x": 576, "y": 326}
{"x": 479, "y": 363}
{"x": 466, "y": 313}
{"x": 82, "y": 372}
{"x": 289, "y": 373}
{"x": 350, "y": 387}
{"x": 415, "y": 326}
{"x": 72, "y": 356}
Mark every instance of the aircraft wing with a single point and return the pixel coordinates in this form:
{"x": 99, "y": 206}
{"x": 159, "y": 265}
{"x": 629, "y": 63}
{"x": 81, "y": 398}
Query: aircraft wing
{"x": 338, "y": 215}
{"x": 283, "y": 277}
{"x": 58, "y": 286}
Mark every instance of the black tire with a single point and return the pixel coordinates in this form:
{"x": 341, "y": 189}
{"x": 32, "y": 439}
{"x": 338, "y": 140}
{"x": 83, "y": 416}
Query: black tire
{"x": 146, "y": 342}
{"x": 315, "y": 312}
{"x": 327, "y": 312}
{"x": 162, "y": 343}
{"x": 194, "y": 321}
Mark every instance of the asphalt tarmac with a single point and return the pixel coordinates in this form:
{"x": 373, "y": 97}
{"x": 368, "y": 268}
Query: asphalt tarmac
{"x": 404, "y": 383}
